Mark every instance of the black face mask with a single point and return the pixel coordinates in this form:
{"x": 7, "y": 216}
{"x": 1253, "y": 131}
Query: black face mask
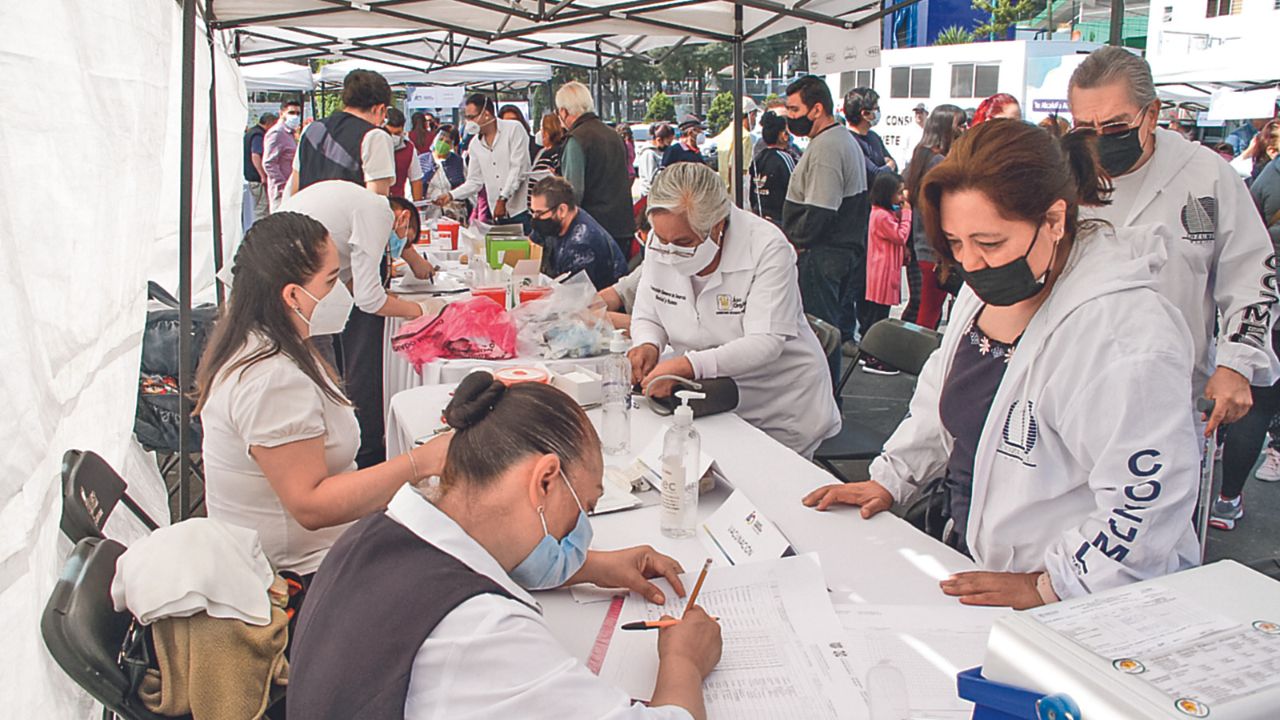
{"x": 546, "y": 227}
{"x": 1006, "y": 285}
{"x": 1118, "y": 153}
{"x": 801, "y": 126}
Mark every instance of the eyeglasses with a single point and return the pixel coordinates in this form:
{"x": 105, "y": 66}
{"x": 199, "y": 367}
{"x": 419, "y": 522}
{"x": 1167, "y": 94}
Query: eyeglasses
{"x": 1119, "y": 129}
{"x": 541, "y": 214}
{"x": 657, "y": 246}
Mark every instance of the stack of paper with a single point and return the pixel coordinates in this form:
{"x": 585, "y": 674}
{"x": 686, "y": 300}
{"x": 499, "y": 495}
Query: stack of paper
{"x": 782, "y": 643}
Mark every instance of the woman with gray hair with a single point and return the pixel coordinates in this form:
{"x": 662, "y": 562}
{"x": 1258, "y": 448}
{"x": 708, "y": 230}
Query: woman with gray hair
{"x": 719, "y": 287}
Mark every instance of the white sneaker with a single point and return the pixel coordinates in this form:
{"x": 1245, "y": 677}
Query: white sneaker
{"x": 1269, "y": 470}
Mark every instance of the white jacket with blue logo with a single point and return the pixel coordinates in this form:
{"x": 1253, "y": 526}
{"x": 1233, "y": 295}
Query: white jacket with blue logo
{"x": 1220, "y": 256}
{"x": 1088, "y": 463}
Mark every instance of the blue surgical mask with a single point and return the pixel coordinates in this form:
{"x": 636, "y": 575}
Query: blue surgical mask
{"x": 895, "y": 207}
{"x": 395, "y": 244}
{"x": 552, "y": 562}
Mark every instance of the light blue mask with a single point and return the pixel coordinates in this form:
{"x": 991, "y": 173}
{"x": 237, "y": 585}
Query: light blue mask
{"x": 395, "y": 244}
{"x": 552, "y": 562}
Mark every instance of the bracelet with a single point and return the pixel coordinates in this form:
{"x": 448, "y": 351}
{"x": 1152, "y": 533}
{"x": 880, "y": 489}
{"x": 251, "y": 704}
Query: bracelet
{"x": 413, "y": 464}
{"x": 1045, "y": 588}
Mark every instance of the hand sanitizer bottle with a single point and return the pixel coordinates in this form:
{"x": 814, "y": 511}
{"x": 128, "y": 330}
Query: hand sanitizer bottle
{"x": 616, "y": 387}
{"x": 681, "y": 450}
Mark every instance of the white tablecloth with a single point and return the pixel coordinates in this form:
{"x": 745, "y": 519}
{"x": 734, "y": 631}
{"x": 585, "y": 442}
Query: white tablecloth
{"x": 881, "y": 560}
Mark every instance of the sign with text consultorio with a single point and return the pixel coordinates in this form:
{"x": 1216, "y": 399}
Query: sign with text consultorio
{"x": 833, "y": 50}
{"x": 740, "y": 533}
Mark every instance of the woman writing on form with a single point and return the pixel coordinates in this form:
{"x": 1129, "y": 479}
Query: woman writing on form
{"x": 1056, "y": 407}
{"x": 425, "y": 611}
{"x": 719, "y": 286}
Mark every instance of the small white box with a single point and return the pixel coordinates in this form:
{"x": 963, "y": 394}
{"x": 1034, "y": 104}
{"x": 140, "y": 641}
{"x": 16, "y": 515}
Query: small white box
{"x": 579, "y": 383}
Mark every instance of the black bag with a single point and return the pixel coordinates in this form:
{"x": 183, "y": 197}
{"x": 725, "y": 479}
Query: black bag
{"x": 157, "y": 416}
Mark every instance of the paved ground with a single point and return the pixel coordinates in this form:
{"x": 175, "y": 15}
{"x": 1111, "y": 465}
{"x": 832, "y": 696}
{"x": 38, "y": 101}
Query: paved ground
{"x": 880, "y": 402}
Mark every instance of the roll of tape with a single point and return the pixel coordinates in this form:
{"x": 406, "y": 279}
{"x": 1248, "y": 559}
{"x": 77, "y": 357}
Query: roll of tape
{"x": 516, "y": 375}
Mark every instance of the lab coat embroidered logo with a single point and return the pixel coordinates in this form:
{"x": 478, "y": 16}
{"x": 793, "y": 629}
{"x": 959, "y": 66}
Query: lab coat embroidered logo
{"x": 1200, "y": 218}
{"x": 1020, "y": 433}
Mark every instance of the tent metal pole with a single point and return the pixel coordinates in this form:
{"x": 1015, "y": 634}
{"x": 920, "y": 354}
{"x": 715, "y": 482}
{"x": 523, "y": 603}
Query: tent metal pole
{"x": 738, "y": 93}
{"x": 599, "y": 81}
{"x": 1117, "y": 24}
{"x": 216, "y": 189}
{"x": 185, "y": 205}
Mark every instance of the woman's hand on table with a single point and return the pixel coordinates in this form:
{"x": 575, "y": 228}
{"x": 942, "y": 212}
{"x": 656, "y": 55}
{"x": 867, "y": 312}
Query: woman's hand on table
{"x": 632, "y": 569}
{"x": 679, "y": 366}
{"x": 869, "y": 494}
{"x": 998, "y": 589}
{"x": 643, "y": 359}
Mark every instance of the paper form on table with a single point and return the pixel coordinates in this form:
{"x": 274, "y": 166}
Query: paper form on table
{"x": 780, "y": 638}
{"x": 904, "y": 658}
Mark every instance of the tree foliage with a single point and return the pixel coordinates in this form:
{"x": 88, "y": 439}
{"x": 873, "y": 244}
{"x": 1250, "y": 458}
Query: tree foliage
{"x": 660, "y": 108}
{"x": 721, "y": 113}
{"x": 953, "y": 35}
{"x": 1002, "y": 15}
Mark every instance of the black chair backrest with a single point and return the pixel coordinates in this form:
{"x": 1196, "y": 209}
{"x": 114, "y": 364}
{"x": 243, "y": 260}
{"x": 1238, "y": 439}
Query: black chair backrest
{"x": 90, "y": 491}
{"x": 901, "y": 345}
{"x": 828, "y": 334}
{"x": 84, "y": 632}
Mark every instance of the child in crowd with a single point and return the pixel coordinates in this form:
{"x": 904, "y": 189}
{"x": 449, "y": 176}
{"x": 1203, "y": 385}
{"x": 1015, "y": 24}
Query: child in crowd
{"x": 887, "y": 235}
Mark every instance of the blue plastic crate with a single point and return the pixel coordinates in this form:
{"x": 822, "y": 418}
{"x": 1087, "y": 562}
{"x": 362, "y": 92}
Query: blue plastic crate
{"x": 997, "y": 701}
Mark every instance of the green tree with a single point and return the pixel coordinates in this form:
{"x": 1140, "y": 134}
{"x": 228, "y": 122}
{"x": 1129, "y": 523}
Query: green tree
{"x": 721, "y": 112}
{"x": 953, "y": 35}
{"x": 1002, "y": 15}
{"x": 660, "y": 108}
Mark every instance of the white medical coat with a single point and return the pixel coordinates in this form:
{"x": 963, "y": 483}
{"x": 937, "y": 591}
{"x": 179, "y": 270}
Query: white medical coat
{"x": 754, "y": 292}
{"x": 1088, "y": 464}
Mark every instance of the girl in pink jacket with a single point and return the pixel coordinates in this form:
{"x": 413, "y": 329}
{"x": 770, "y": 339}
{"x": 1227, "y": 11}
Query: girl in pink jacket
{"x": 888, "y": 232}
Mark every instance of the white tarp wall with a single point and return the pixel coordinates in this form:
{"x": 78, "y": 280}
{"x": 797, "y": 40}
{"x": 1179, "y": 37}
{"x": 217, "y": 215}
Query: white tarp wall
{"x": 77, "y": 229}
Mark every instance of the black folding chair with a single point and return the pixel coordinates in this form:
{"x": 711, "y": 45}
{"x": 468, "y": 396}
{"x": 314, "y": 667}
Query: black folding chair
{"x": 85, "y": 634}
{"x": 90, "y": 491}
{"x": 901, "y": 345}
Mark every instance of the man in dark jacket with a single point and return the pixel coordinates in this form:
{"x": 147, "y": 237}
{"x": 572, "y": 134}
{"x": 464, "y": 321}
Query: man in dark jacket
{"x": 826, "y": 211}
{"x": 861, "y": 112}
{"x": 571, "y": 238}
{"x": 595, "y": 164}
{"x": 350, "y": 144}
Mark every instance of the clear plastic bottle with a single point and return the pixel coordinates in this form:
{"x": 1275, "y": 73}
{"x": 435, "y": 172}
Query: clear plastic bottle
{"x": 681, "y": 450}
{"x": 616, "y": 390}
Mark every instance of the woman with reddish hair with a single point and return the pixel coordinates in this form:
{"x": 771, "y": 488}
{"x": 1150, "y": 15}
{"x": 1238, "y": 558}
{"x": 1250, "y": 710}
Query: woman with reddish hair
{"x": 1000, "y": 105}
{"x": 1055, "y": 409}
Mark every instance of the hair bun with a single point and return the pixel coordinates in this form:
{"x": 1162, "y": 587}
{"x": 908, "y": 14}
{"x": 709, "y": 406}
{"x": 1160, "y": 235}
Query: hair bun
{"x": 474, "y": 399}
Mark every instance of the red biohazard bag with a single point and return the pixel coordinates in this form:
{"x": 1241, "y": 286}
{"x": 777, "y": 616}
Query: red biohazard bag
{"x": 479, "y": 328}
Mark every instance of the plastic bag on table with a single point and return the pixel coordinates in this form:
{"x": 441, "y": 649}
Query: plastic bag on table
{"x": 478, "y": 328}
{"x": 570, "y": 322}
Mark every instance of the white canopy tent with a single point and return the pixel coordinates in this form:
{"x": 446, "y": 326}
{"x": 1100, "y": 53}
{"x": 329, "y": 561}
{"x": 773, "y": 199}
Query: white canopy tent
{"x": 1238, "y": 63}
{"x": 490, "y": 71}
{"x": 277, "y": 75}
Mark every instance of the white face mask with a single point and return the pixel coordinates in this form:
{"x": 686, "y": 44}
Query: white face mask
{"x": 686, "y": 261}
{"x": 329, "y": 317}
{"x": 471, "y": 128}
{"x": 292, "y": 120}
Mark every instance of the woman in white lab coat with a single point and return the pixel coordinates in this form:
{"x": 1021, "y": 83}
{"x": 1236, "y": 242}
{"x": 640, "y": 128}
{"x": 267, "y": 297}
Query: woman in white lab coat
{"x": 1057, "y": 408}
{"x": 719, "y": 286}
{"x": 424, "y": 610}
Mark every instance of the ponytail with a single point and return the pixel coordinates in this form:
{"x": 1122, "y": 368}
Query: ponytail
{"x": 1081, "y": 150}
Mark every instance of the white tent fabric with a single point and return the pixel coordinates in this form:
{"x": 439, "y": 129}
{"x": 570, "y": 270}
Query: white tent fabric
{"x": 76, "y": 224}
{"x": 277, "y": 75}
{"x": 710, "y": 19}
{"x": 481, "y": 72}
{"x": 1237, "y": 62}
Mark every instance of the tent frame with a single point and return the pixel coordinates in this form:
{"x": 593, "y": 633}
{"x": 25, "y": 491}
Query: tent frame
{"x": 597, "y": 50}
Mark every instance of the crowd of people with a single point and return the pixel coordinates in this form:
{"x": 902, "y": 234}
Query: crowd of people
{"x": 1104, "y": 278}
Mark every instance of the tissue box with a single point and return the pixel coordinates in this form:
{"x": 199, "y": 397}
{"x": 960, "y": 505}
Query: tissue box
{"x": 579, "y": 383}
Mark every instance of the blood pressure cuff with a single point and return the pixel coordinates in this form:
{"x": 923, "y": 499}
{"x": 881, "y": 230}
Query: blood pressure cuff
{"x": 722, "y": 396}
